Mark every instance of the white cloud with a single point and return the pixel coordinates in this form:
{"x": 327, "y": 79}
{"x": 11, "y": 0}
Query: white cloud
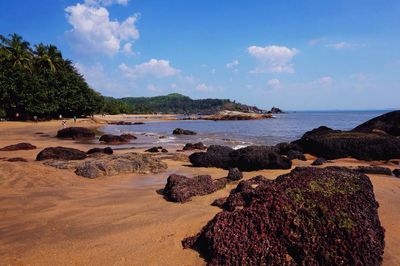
{"x": 127, "y": 49}
{"x": 339, "y": 45}
{"x": 202, "y": 87}
{"x": 273, "y": 58}
{"x": 314, "y": 42}
{"x": 324, "y": 81}
{"x": 106, "y": 2}
{"x": 274, "y": 83}
{"x": 93, "y": 31}
{"x": 154, "y": 67}
{"x": 232, "y": 64}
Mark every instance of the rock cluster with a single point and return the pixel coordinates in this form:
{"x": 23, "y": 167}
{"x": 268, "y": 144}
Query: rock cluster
{"x": 250, "y": 158}
{"x": 180, "y": 131}
{"x": 60, "y": 153}
{"x": 332, "y": 144}
{"x": 76, "y": 133}
{"x": 311, "y": 216}
{"x": 19, "y": 146}
{"x": 157, "y": 149}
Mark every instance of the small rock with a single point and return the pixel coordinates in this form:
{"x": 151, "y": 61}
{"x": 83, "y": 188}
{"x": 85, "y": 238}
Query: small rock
{"x": 114, "y": 139}
{"x": 154, "y": 149}
{"x": 377, "y": 170}
{"x": 293, "y": 154}
{"x": 106, "y": 150}
{"x": 319, "y": 161}
{"x": 17, "y": 159}
{"x": 194, "y": 146}
{"x": 19, "y": 146}
{"x": 234, "y": 174}
{"x": 396, "y": 172}
{"x": 180, "y": 131}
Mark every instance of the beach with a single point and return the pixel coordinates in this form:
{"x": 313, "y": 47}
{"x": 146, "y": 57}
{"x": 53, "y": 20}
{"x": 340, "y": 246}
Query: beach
{"x": 52, "y": 216}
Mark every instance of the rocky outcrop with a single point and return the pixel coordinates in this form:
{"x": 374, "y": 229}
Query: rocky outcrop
{"x": 311, "y": 216}
{"x": 284, "y": 148}
{"x": 250, "y": 158}
{"x": 120, "y": 163}
{"x": 114, "y": 139}
{"x": 235, "y": 115}
{"x": 194, "y": 146}
{"x": 254, "y": 158}
{"x": 76, "y": 133}
{"x": 180, "y": 131}
{"x": 334, "y": 144}
{"x": 60, "y": 153}
{"x": 275, "y": 110}
{"x": 106, "y": 150}
{"x": 19, "y": 146}
{"x": 180, "y": 188}
{"x": 216, "y": 156}
{"x": 389, "y": 123}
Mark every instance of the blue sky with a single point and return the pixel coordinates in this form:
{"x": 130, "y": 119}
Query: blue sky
{"x": 298, "y": 55}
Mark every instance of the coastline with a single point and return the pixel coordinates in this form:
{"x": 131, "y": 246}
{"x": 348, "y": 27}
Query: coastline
{"x": 50, "y": 215}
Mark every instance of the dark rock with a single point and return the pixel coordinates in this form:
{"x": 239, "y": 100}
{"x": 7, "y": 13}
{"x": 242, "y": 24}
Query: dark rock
{"x": 194, "y": 146}
{"x": 180, "y": 131}
{"x": 220, "y": 183}
{"x": 219, "y": 202}
{"x": 120, "y": 163}
{"x": 319, "y": 161}
{"x": 275, "y": 110}
{"x": 60, "y": 153}
{"x": 128, "y": 137}
{"x": 216, "y": 156}
{"x": 334, "y": 144}
{"x": 17, "y": 159}
{"x": 164, "y": 150}
{"x": 293, "y": 154}
{"x": 154, "y": 149}
{"x": 19, "y": 146}
{"x": 114, "y": 139}
{"x": 374, "y": 170}
{"x": 284, "y": 148}
{"x": 234, "y": 174}
{"x": 76, "y": 133}
{"x": 121, "y": 123}
{"x": 254, "y": 158}
{"x": 396, "y": 172}
{"x": 138, "y": 123}
{"x": 106, "y": 150}
{"x": 181, "y": 188}
{"x": 389, "y": 123}
{"x": 311, "y": 216}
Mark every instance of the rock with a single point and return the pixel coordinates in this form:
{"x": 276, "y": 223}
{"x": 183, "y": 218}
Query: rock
{"x": 180, "y": 131}
{"x": 114, "y": 139}
{"x": 19, "y": 146}
{"x": 275, "y": 110}
{"x": 17, "y": 159}
{"x": 235, "y": 115}
{"x": 180, "y": 188}
{"x": 220, "y": 183}
{"x": 106, "y": 150}
{"x": 138, "y": 123}
{"x": 234, "y": 174}
{"x": 254, "y": 158}
{"x": 293, "y": 154}
{"x": 389, "y": 123}
{"x": 219, "y": 202}
{"x": 334, "y": 144}
{"x": 311, "y": 216}
{"x": 60, "y": 153}
{"x": 284, "y": 148}
{"x": 164, "y": 150}
{"x": 154, "y": 149}
{"x": 120, "y": 123}
{"x": 374, "y": 170}
{"x": 216, "y": 156}
{"x": 76, "y": 133}
{"x": 396, "y": 172}
{"x": 319, "y": 161}
{"x": 194, "y": 146}
{"x": 120, "y": 163}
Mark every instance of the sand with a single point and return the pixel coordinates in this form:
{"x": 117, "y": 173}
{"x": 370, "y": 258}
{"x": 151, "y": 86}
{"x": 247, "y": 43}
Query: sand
{"x": 50, "y": 216}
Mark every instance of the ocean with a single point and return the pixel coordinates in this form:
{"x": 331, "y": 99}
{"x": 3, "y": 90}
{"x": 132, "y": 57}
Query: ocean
{"x": 283, "y": 128}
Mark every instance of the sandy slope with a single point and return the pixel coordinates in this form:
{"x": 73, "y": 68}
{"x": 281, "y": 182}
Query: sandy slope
{"x": 53, "y": 217}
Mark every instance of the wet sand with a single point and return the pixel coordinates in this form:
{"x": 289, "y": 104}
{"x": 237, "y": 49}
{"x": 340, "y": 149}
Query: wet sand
{"x": 50, "y": 216}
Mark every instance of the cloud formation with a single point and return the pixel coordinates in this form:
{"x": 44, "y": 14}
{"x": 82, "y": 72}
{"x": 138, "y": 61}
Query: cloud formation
{"x": 156, "y": 68}
{"x": 93, "y": 31}
{"x": 274, "y": 83}
{"x": 273, "y": 58}
{"x": 106, "y": 2}
{"x": 232, "y": 64}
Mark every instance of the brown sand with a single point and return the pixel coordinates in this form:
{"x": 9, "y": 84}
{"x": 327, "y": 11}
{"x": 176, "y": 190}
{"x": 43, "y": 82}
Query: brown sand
{"x": 50, "y": 216}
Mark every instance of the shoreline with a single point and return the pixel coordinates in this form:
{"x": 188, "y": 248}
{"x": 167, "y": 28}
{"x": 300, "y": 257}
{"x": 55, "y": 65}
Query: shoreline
{"x": 50, "y": 215}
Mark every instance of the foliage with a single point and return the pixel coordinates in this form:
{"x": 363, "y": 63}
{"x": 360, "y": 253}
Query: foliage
{"x": 40, "y": 82}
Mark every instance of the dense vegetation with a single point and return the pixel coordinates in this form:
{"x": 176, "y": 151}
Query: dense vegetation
{"x": 39, "y": 82}
{"x": 180, "y": 104}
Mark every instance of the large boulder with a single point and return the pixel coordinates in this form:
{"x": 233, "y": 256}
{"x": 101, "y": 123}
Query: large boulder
{"x": 19, "y": 146}
{"x": 60, "y": 153}
{"x": 216, "y": 156}
{"x": 180, "y": 188}
{"x": 76, "y": 133}
{"x": 389, "y": 123}
{"x": 332, "y": 144}
{"x": 114, "y": 139}
{"x": 120, "y": 163}
{"x": 254, "y": 158}
{"x": 180, "y": 131}
{"x": 311, "y": 216}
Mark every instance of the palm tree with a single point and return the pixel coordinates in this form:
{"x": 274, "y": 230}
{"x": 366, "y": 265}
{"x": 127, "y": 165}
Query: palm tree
{"x": 17, "y": 51}
{"x": 48, "y": 57}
